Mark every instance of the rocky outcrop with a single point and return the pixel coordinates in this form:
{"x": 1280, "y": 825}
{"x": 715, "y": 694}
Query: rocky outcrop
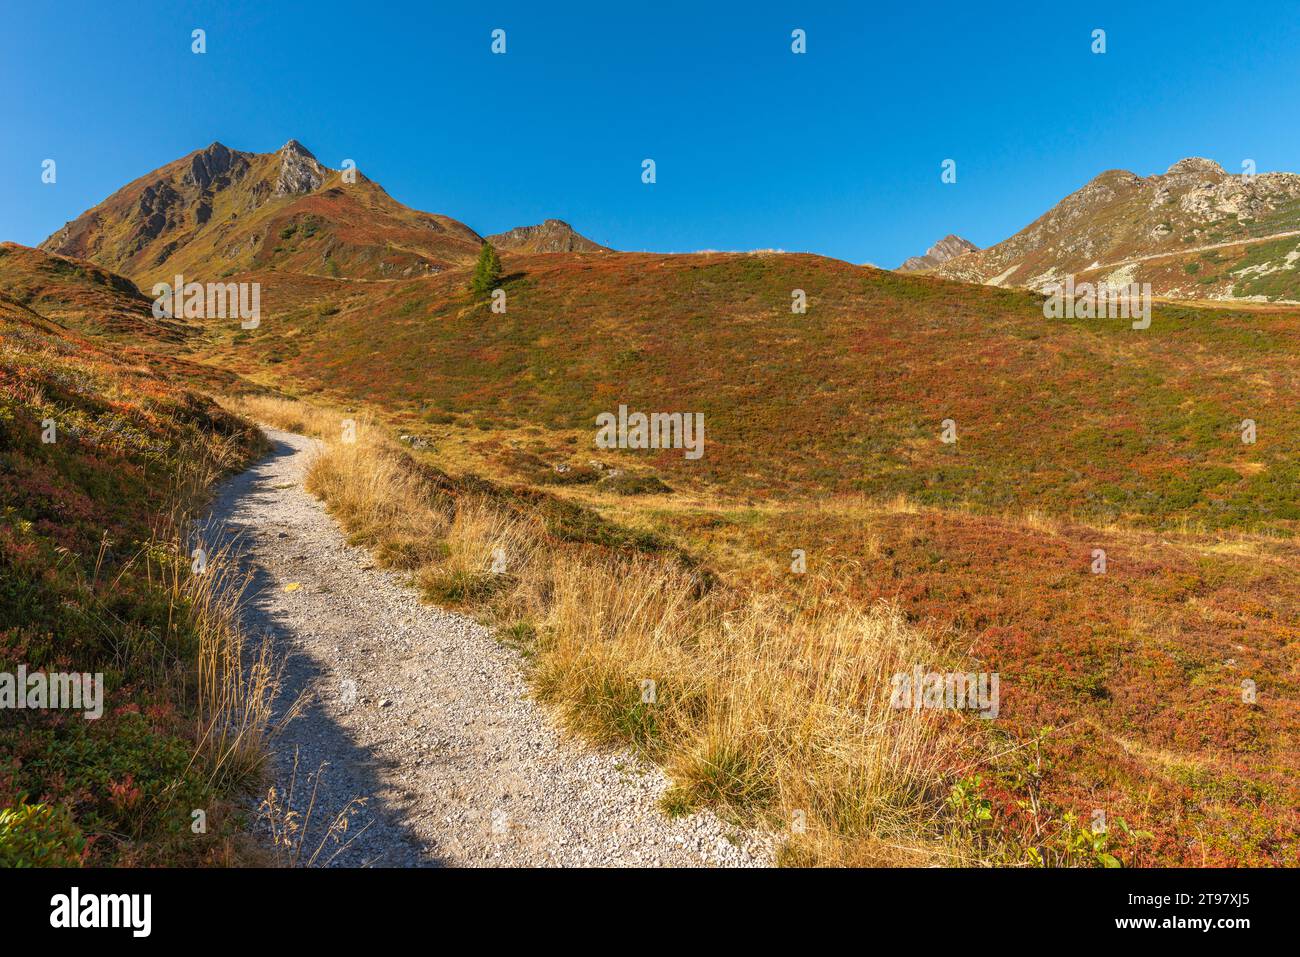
{"x": 950, "y": 247}
{"x": 214, "y": 167}
{"x": 299, "y": 171}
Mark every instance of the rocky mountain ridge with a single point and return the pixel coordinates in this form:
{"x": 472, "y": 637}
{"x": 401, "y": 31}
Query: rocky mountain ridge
{"x": 1192, "y": 232}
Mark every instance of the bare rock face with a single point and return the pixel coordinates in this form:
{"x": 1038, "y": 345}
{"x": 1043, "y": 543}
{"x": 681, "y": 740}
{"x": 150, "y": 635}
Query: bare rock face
{"x": 300, "y": 173}
{"x": 552, "y": 236}
{"x": 165, "y": 205}
{"x": 1198, "y": 168}
{"x": 209, "y": 167}
{"x": 950, "y": 247}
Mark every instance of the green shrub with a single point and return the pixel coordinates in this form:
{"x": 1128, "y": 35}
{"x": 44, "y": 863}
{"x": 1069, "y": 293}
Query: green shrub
{"x": 38, "y": 835}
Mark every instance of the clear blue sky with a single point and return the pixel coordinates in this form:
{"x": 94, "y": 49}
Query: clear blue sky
{"x": 837, "y": 151}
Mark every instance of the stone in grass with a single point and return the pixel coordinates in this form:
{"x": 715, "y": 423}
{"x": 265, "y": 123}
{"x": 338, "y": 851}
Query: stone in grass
{"x": 563, "y": 473}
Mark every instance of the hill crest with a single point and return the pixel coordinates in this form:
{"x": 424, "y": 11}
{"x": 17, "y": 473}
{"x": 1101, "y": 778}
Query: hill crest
{"x": 551, "y": 236}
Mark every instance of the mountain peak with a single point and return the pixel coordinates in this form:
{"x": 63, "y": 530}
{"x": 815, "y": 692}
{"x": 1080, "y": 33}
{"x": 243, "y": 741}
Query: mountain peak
{"x": 293, "y": 146}
{"x": 1121, "y": 228}
{"x": 550, "y": 236}
{"x": 213, "y": 166}
{"x": 1195, "y": 164}
{"x": 225, "y": 210}
{"x": 948, "y": 244}
{"x": 950, "y": 247}
{"x": 299, "y": 171}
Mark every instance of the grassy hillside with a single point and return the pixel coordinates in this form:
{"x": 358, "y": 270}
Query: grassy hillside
{"x": 1088, "y": 418}
{"x": 1122, "y": 691}
{"x": 95, "y": 576}
{"x": 1264, "y": 271}
{"x": 1137, "y": 672}
{"x": 85, "y": 298}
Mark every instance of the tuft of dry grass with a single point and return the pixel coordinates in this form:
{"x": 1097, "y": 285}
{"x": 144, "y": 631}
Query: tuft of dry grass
{"x": 296, "y": 837}
{"x": 754, "y": 706}
{"x": 231, "y": 678}
{"x": 382, "y": 504}
{"x": 484, "y": 553}
{"x": 236, "y": 676}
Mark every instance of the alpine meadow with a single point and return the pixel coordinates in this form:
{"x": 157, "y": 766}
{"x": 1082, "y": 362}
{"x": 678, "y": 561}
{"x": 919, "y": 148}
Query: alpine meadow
{"x": 669, "y": 531}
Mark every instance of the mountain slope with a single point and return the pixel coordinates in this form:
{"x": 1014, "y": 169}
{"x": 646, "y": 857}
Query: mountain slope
{"x": 1072, "y": 436}
{"x": 552, "y": 236}
{"x": 97, "y": 443}
{"x": 1194, "y": 232}
{"x": 1068, "y": 416}
{"x": 84, "y": 297}
{"x": 219, "y": 211}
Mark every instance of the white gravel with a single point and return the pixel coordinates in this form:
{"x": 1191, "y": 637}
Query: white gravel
{"x": 424, "y": 715}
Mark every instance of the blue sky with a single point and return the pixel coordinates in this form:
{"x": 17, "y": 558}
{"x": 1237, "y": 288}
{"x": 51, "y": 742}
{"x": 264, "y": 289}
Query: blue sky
{"x": 837, "y": 151}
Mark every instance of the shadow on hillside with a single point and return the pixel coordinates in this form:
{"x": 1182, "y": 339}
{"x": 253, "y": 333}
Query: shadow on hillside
{"x": 347, "y": 771}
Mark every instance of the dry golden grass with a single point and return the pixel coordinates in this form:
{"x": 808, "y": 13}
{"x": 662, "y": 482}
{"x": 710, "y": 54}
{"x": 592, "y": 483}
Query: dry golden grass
{"x": 288, "y": 414}
{"x": 754, "y": 706}
{"x": 382, "y": 503}
{"x": 484, "y": 552}
{"x": 296, "y": 837}
{"x": 234, "y": 677}
{"x": 238, "y": 676}
{"x": 778, "y": 715}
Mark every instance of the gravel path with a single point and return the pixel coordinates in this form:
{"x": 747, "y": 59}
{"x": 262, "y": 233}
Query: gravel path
{"x": 424, "y": 715}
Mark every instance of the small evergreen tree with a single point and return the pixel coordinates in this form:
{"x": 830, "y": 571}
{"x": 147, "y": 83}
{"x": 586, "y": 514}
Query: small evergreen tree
{"x": 487, "y": 271}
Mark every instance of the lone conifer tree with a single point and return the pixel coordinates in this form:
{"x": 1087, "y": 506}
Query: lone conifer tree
{"x": 487, "y": 271}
